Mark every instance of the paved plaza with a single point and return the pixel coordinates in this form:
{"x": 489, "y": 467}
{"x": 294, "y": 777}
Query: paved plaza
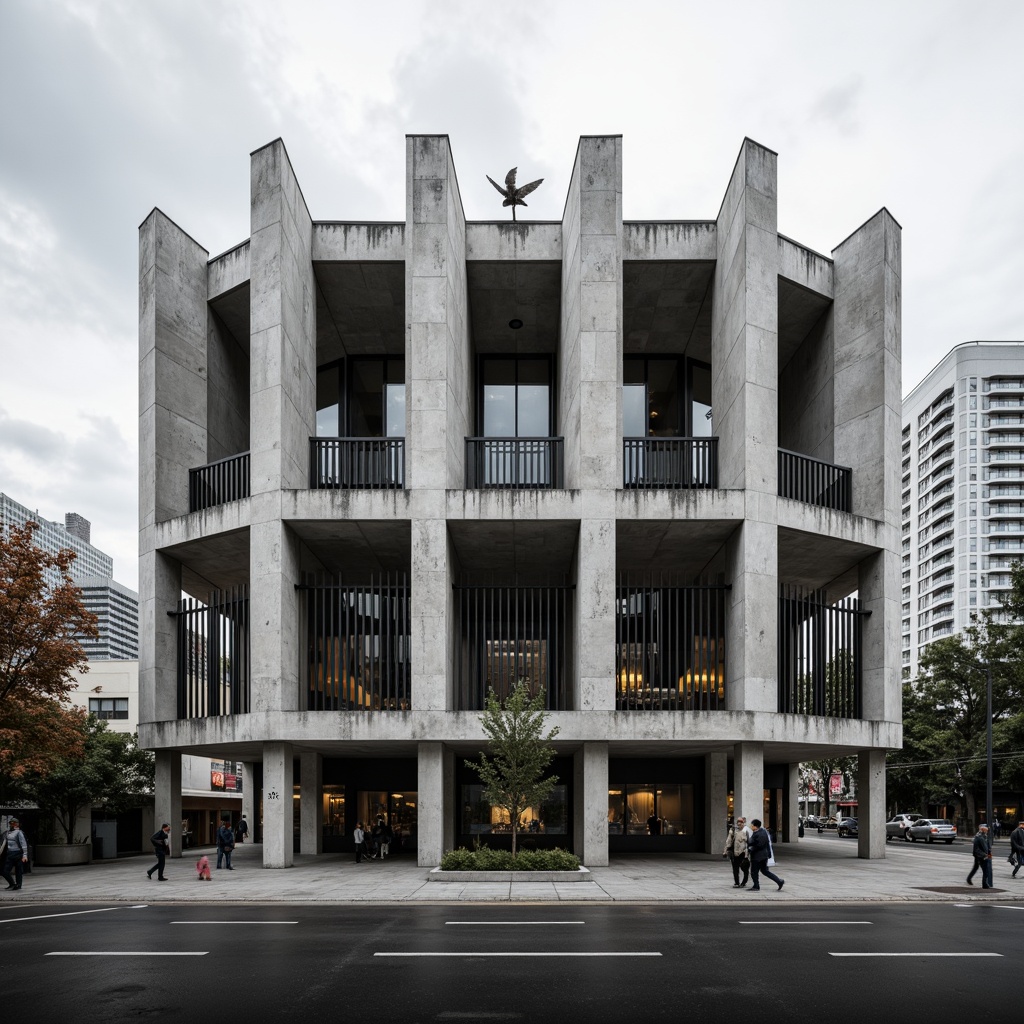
{"x": 817, "y": 869}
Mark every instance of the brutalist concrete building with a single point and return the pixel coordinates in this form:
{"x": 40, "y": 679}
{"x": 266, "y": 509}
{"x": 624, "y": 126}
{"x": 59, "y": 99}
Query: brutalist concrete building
{"x": 650, "y": 467}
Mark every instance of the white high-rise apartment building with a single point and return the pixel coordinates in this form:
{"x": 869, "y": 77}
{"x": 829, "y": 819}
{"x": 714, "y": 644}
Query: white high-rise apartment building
{"x": 963, "y": 491}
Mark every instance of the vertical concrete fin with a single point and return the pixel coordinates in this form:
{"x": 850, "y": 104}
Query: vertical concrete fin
{"x": 172, "y": 367}
{"x": 868, "y": 367}
{"x": 282, "y": 369}
{"x": 278, "y": 813}
{"x": 438, "y": 361}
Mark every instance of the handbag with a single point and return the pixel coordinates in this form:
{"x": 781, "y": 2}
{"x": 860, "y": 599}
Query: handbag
{"x": 771, "y": 855}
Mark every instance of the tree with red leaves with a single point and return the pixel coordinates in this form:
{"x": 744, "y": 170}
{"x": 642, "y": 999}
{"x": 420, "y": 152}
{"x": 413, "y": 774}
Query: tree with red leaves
{"x": 42, "y": 621}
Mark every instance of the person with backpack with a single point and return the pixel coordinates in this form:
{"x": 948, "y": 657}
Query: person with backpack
{"x": 161, "y": 848}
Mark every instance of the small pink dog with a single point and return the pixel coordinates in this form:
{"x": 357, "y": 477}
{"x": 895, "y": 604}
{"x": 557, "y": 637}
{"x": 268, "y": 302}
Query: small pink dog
{"x": 203, "y": 868}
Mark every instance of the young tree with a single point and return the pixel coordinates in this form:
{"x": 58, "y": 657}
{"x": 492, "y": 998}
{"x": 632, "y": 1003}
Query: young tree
{"x": 513, "y": 776}
{"x": 42, "y": 620}
{"x": 112, "y": 772}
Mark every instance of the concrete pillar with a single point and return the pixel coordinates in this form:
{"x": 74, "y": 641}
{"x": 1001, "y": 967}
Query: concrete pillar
{"x": 249, "y": 801}
{"x": 791, "y": 805}
{"x": 159, "y": 593}
{"x": 274, "y": 559}
{"x": 439, "y": 374}
{"x": 590, "y": 804}
{"x": 879, "y": 589}
{"x": 871, "y": 804}
{"x": 748, "y": 781}
{"x": 310, "y": 816}
{"x": 868, "y": 399}
{"x": 595, "y": 612}
{"x": 167, "y": 796}
{"x": 278, "y": 813}
{"x": 435, "y": 825}
{"x": 172, "y": 367}
{"x": 282, "y": 365}
{"x": 429, "y": 602}
{"x": 716, "y": 800}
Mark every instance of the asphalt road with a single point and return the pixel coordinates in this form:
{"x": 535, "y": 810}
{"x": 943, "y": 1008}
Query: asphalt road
{"x": 486, "y": 962}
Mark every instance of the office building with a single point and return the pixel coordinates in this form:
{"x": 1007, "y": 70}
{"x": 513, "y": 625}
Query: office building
{"x": 649, "y": 467}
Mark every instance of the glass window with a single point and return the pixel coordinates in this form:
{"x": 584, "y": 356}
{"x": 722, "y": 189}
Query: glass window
{"x": 109, "y": 708}
{"x": 334, "y": 811}
{"x": 480, "y": 818}
{"x": 700, "y": 401}
{"x": 328, "y": 410}
{"x": 395, "y": 809}
{"x": 367, "y": 398}
{"x": 516, "y": 397}
{"x": 650, "y": 809}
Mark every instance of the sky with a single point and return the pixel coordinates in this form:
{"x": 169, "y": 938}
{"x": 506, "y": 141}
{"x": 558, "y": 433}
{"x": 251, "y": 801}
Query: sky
{"x": 110, "y": 108}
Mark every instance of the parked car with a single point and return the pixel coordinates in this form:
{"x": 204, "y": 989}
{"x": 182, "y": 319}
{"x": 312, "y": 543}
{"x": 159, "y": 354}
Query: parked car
{"x": 847, "y": 827}
{"x": 930, "y": 829}
{"x": 896, "y": 827}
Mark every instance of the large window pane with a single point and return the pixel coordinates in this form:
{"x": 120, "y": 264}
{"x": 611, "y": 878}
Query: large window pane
{"x": 367, "y": 413}
{"x": 651, "y": 809}
{"x": 327, "y": 407}
{"x": 533, "y": 419}
{"x": 700, "y": 403}
{"x": 396, "y": 410}
{"x": 634, "y": 410}
{"x": 480, "y": 818}
{"x": 663, "y": 397}
{"x": 499, "y": 410}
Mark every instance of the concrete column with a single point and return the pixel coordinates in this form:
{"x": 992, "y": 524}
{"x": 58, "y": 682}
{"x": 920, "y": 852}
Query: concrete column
{"x": 172, "y": 367}
{"x": 278, "y": 814}
{"x": 167, "y": 796}
{"x": 879, "y": 589}
{"x": 591, "y": 317}
{"x": 595, "y": 611}
{"x": 716, "y": 800}
{"x": 159, "y": 592}
{"x": 748, "y": 781}
{"x": 282, "y": 365}
{"x": 274, "y": 556}
{"x": 590, "y": 804}
{"x": 439, "y": 375}
{"x": 868, "y": 400}
{"x": 871, "y": 804}
{"x": 745, "y": 325}
{"x": 310, "y": 789}
{"x": 791, "y": 805}
{"x": 435, "y": 826}
{"x": 429, "y": 600}
{"x": 249, "y": 802}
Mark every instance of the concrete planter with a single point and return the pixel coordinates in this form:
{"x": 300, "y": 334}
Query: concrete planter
{"x": 59, "y": 855}
{"x": 580, "y": 875}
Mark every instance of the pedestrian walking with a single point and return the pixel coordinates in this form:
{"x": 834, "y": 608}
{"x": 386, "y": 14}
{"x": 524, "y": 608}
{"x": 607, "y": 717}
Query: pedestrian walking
{"x": 762, "y": 856}
{"x": 997, "y": 828}
{"x": 241, "y": 830}
{"x": 161, "y": 847}
{"x": 225, "y": 843}
{"x": 1017, "y": 847}
{"x": 360, "y": 840}
{"x": 982, "y": 851}
{"x": 386, "y": 836}
{"x": 15, "y": 855}
{"x": 736, "y": 850}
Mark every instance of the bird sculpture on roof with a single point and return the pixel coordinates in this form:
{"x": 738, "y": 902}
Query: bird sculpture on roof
{"x": 513, "y": 196}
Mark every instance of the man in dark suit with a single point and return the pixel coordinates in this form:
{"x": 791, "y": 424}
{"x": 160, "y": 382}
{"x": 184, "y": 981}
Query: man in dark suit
{"x": 161, "y": 847}
{"x": 982, "y": 850}
{"x": 759, "y": 847}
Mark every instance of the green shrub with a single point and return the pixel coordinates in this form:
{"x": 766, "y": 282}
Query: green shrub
{"x": 483, "y": 858}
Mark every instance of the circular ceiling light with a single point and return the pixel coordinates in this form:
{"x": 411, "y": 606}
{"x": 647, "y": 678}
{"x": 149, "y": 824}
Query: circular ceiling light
{"x": 515, "y": 323}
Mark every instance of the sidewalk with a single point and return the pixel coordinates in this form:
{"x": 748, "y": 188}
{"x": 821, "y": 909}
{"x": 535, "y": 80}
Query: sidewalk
{"x": 815, "y": 869}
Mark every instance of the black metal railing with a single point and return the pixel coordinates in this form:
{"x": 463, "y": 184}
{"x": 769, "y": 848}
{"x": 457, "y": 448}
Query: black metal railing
{"x": 814, "y": 481}
{"x": 534, "y": 462}
{"x": 218, "y": 482}
{"x": 669, "y": 463}
{"x": 819, "y": 654}
{"x": 505, "y": 633}
{"x": 213, "y": 654}
{"x": 357, "y": 462}
{"x": 670, "y": 645}
{"x": 357, "y": 643}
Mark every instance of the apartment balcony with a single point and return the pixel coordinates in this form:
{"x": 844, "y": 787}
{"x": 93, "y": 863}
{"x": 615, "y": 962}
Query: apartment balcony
{"x": 814, "y": 481}
{"x": 357, "y": 463}
{"x": 218, "y": 482}
{"x": 670, "y": 646}
{"x": 357, "y": 643}
{"x": 669, "y": 463}
{"x": 535, "y": 463}
{"x": 213, "y": 668}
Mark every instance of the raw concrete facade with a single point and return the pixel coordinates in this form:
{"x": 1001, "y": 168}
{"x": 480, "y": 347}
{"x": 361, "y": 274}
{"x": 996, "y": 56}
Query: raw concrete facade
{"x": 801, "y": 354}
{"x": 962, "y": 491}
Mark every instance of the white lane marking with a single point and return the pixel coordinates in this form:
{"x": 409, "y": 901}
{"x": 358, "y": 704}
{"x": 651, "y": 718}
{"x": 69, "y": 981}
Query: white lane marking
{"x": 516, "y": 954}
{"x": 1008, "y": 908}
{"x": 115, "y": 953}
{"x": 503, "y": 923}
{"x": 806, "y": 922}
{"x": 234, "y": 922}
{"x": 71, "y": 913}
{"x": 915, "y": 954}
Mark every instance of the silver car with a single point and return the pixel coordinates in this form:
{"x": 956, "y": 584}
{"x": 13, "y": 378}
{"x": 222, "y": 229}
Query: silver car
{"x": 930, "y": 829}
{"x": 897, "y": 826}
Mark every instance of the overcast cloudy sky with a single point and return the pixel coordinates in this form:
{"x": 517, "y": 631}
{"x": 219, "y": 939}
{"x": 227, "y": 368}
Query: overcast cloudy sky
{"x": 110, "y": 108}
